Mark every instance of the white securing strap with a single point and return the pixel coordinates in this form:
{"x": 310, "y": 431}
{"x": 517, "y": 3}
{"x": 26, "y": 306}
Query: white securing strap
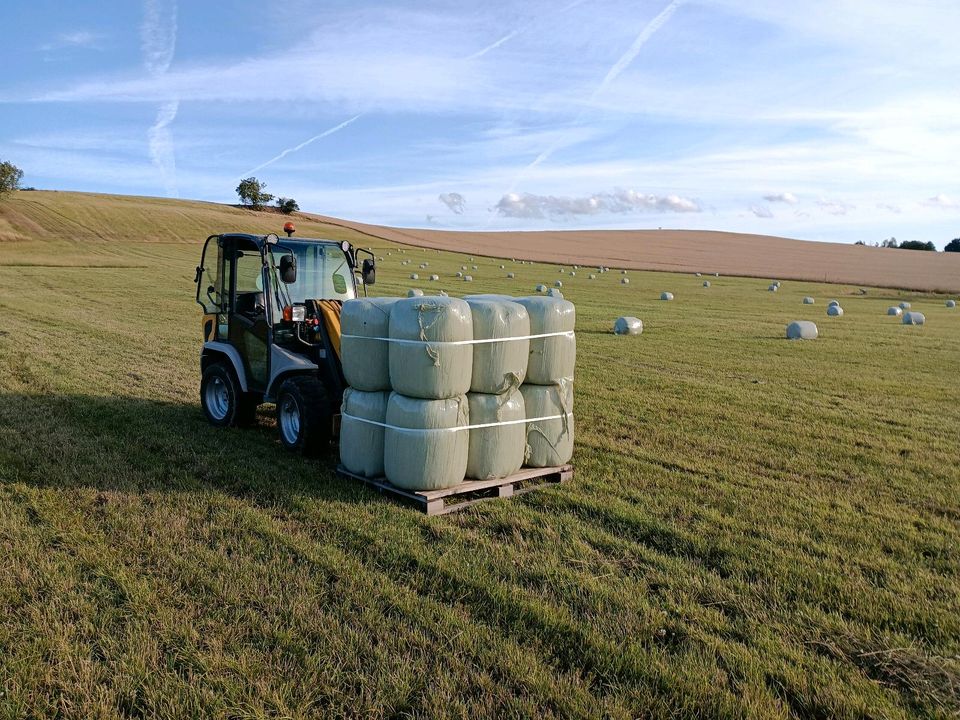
{"x": 401, "y": 341}
{"x": 455, "y": 429}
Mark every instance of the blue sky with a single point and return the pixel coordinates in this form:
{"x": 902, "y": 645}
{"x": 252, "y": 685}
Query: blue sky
{"x": 826, "y": 119}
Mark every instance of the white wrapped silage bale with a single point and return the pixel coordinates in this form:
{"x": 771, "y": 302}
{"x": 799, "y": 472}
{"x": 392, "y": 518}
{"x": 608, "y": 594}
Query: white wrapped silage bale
{"x": 773, "y": 288}
{"x": 894, "y": 311}
{"x": 666, "y": 296}
{"x": 904, "y": 306}
{"x": 541, "y": 288}
{"x": 498, "y": 366}
{"x": 835, "y": 311}
{"x": 431, "y": 367}
{"x": 549, "y": 442}
{"x": 468, "y": 278}
{"x": 554, "y": 293}
{"x": 802, "y": 330}
{"x": 361, "y": 443}
{"x": 558, "y": 283}
{"x": 459, "y": 274}
{"x": 706, "y": 283}
{"x": 808, "y": 300}
{"x": 914, "y": 318}
{"x": 628, "y": 326}
{"x": 833, "y": 303}
{"x": 592, "y": 276}
{"x": 951, "y": 303}
{"x": 551, "y": 358}
{"x": 366, "y": 362}
{"x": 434, "y": 277}
{"x": 420, "y": 450}
{"x": 501, "y": 267}
{"x": 414, "y": 292}
{"x": 511, "y": 276}
{"x": 496, "y": 452}
{"x": 414, "y": 276}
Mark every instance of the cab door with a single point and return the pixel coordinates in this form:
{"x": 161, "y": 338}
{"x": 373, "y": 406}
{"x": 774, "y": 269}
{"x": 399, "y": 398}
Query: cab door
{"x": 248, "y": 331}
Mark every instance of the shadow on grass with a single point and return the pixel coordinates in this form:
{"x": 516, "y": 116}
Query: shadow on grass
{"x": 128, "y": 444}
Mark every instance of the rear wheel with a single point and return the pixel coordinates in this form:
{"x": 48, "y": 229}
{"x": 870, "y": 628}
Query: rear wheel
{"x": 223, "y": 402}
{"x": 304, "y": 419}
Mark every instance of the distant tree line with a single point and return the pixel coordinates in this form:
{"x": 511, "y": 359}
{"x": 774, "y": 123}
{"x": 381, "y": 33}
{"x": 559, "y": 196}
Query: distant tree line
{"x": 952, "y": 246}
{"x": 253, "y": 193}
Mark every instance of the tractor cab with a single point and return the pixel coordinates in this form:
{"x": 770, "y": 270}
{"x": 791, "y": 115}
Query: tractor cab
{"x": 271, "y": 330}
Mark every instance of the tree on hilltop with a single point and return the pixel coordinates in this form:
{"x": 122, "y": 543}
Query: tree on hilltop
{"x": 10, "y": 177}
{"x": 953, "y": 245}
{"x": 252, "y": 192}
{"x": 287, "y": 205}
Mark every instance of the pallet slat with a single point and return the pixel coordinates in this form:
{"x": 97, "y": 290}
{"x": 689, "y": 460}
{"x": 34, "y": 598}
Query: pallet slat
{"x": 469, "y": 492}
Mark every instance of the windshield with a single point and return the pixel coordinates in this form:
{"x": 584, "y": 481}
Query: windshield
{"x": 322, "y": 272}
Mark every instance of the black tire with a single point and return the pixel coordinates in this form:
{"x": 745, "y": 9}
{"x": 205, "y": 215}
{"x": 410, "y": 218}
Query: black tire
{"x": 304, "y": 418}
{"x": 222, "y": 401}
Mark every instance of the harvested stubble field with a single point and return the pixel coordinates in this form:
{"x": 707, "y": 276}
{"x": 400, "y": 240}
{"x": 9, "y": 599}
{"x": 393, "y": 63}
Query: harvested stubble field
{"x": 756, "y": 528}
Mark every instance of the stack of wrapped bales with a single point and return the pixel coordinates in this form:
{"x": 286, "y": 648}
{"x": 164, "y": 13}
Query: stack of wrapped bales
{"x": 367, "y": 371}
{"x": 500, "y": 354}
{"x": 548, "y": 388}
{"x": 431, "y": 365}
{"x": 443, "y": 389}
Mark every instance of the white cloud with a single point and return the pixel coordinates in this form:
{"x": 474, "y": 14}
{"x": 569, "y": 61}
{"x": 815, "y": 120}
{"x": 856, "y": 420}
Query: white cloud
{"x": 761, "y": 211}
{"x": 784, "y": 197}
{"x": 890, "y": 207}
{"x": 835, "y": 207}
{"x": 526, "y": 205}
{"x": 942, "y": 201}
{"x": 455, "y": 201}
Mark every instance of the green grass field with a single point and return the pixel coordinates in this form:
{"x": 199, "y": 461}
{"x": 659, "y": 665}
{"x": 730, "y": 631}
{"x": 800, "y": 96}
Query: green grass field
{"x": 756, "y": 527}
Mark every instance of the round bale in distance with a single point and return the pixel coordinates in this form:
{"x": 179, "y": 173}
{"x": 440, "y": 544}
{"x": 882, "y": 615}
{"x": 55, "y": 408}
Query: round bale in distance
{"x": 833, "y": 303}
{"x": 835, "y": 311}
{"x": 706, "y": 283}
{"x": 414, "y": 276}
{"x": 414, "y": 292}
{"x": 468, "y": 278}
{"x": 592, "y": 276}
{"x": 894, "y": 311}
{"x": 802, "y": 330}
{"x": 627, "y": 326}
{"x": 434, "y": 277}
{"x": 624, "y": 281}
{"x": 951, "y": 303}
{"x": 666, "y": 296}
{"x": 904, "y": 306}
{"x": 913, "y": 318}
{"x": 808, "y": 300}
{"x": 558, "y": 283}
{"x": 511, "y": 276}
{"x": 773, "y": 288}
{"x": 541, "y": 288}
{"x": 554, "y": 292}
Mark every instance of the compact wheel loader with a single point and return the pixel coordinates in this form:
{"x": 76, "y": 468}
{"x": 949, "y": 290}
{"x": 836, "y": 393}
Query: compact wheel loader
{"x": 271, "y": 330}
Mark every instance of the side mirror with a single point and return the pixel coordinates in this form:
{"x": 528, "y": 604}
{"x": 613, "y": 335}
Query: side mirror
{"x": 369, "y": 272}
{"x": 288, "y": 269}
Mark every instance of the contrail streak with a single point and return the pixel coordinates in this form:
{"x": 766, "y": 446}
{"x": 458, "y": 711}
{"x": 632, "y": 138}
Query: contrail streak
{"x": 618, "y": 67}
{"x": 302, "y": 145}
{"x": 479, "y": 54}
{"x": 158, "y": 41}
{"x": 162, "y": 152}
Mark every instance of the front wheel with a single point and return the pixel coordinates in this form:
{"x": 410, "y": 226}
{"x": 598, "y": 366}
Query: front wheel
{"x": 223, "y": 402}
{"x": 303, "y": 416}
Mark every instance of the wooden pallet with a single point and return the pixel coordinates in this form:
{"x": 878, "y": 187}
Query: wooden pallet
{"x": 469, "y": 492}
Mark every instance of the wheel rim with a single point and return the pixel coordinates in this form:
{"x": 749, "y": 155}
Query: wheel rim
{"x": 290, "y": 420}
{"x": 217, "y": 398}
